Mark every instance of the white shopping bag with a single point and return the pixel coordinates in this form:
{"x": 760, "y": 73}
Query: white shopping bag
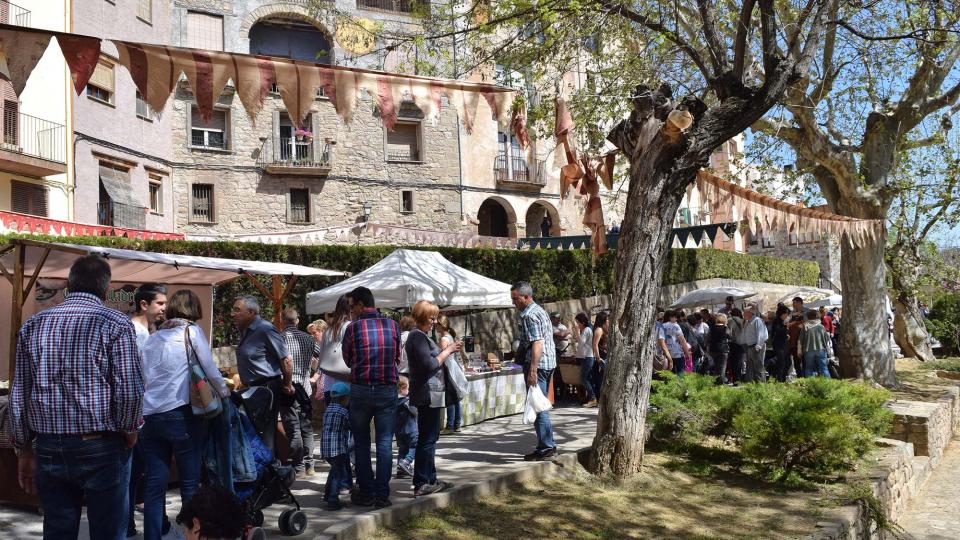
{"x": 536, "y": 403}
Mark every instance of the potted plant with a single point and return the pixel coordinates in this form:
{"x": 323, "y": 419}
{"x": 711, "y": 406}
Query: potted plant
{"x": 303, "y": 135}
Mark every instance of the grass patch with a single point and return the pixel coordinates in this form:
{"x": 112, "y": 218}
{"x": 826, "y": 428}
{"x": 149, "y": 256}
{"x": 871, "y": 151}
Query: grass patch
{"x": 675, "y": 496}
{"x": 919, "y": 381}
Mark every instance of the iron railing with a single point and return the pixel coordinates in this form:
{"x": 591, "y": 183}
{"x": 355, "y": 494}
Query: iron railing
{"x": 515, "y": 169}
{"x": 13, "y": 14}
{"x": 395, "y": 6}
{"x": 33, "y": 136}
{"x": 114, "y": 214}
{"x": 290, "y": 152}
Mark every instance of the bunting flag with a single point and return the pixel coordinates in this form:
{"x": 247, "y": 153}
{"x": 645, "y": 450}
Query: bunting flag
{"x": 760, "y": 210}
{"x": 156, "y": 70}
{"x": 518, "y": 125}
{"x": 19, "y": 54}
{"x": 563, "y": 124}
{"x": 81, "y": 55}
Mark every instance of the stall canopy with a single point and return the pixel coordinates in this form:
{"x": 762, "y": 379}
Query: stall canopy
{"x": 23, "y": 262}
{"x": 407, "y": 276}
{"x": 710, "y": 296}
{"x": 809, "y": 294}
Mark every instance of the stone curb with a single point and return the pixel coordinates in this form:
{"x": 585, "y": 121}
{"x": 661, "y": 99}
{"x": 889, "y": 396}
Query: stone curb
{"x": 366, "y": 524}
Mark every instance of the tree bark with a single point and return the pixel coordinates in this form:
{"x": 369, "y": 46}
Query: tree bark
{"x": 909, "y": 331}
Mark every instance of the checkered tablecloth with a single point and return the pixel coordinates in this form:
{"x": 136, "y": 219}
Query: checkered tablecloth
{"x": 491, "y": 395}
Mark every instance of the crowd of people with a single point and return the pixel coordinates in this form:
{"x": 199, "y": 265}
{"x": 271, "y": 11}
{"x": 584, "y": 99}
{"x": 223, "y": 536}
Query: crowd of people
{"x": 102, "y": 403}
{"x": 744, "y": 345}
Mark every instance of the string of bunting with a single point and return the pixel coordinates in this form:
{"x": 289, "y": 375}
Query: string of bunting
{"x": 156, "y": 70}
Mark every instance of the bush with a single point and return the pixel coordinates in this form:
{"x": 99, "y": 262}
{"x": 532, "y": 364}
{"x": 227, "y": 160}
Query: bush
{"x": 817, "y": 426}
{"x": 944, "y": 321}
{"x": 686, "y": 409}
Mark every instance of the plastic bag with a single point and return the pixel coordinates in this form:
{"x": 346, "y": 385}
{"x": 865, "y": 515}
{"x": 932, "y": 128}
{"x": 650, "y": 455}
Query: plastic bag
{"x": 536, "y": 403}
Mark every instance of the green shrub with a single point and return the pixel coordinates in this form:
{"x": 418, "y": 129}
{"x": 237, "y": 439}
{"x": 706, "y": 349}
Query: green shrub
{"x": 817, "y": 426}
{"x": 944, "y": 321}
{"x": 686, "y": 409}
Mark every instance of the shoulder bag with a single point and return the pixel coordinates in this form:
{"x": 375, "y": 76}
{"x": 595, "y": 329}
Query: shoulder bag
{"x": 456, "y": 378}
{"x": 331, "y": 361}
{"x": 204, "y": 400}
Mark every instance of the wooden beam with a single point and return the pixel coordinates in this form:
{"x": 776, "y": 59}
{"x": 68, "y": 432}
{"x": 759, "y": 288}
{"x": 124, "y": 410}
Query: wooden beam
{"x": 6, "y": 273}
{"x": 291, "y": 281}
{"x": 277, "y": 298}
{"x": 36, "y": 274}
{"x": 263, "y": 290}
{"x": 16, "y": 314}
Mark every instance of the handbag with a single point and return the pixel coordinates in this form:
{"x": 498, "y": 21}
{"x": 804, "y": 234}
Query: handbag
{"x": 456, "y": 379}
{"x": 204, "y": 400}
{"x": 332, "y": 363}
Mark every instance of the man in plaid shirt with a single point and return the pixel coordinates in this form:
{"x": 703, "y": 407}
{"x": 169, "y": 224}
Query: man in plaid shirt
{"x": 539, "y": 358}
{"x": 75, "y": 406}
{"x": 371, "y": 348}
{"x": 297, "y": 416}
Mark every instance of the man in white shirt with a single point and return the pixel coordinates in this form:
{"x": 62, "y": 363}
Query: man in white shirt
{"x": 561, "y": 335}
{"x": 754, "y": 339}
{"x": 151, "y": 301}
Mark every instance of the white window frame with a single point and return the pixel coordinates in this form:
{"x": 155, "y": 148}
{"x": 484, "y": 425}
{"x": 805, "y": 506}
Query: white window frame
{"x": 110, "y": 92}
{"x": 145, "y": 11}
{"x": 227, "y": 132}
{"x": 155, "y": 180}
{"x": 149, "y": 114}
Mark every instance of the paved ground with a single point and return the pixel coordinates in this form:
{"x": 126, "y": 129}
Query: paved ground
{"x": 935, "y": 513}
{"x": 480, "y": 451}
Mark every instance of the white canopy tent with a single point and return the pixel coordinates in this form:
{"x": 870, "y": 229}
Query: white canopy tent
{"x": 407, "y": 276}
{"x": 23, "y": 263}
{"x": 836, "y": 300}
{"x": 710, "y": 296}
{"x": 809, "y": 294}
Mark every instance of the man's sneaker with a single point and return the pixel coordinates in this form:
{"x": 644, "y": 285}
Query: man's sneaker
{"x": 361, "y": 500}
{"x": 382, "y": 503}
{"x": 428, "y": 489}
{"x": 590, "y": 404}
{"x": 456, "y": 429}
{"x": 406, "y": 466}
{"x": 531, "y": 456}
{"x": 401, "y": 473}
{"x": 446, "y": 431}
{"x": 546, "y": 454}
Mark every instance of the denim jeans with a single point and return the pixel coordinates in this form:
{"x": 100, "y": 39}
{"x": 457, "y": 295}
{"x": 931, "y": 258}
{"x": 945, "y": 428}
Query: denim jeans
{"x": 407, "y": 446}
{"x": 297, "y": 423}
{"x": 542, "y": 424}
{"x": 172, "y": 433}
{"x": 71, "y": 470}
{"x": 339, "y": 477}
{"x": 378, "y": 403}
{"x": 586, "y": 377}
{"x": 428, "y": 427}
{"x": 454, "y": 419}
{"x": 815, "y": 363}
{"x": 679, "y": 365}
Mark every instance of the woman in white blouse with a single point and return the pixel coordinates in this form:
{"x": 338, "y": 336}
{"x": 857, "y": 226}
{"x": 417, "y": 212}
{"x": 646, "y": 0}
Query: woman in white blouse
{"x": 170, "y": 428}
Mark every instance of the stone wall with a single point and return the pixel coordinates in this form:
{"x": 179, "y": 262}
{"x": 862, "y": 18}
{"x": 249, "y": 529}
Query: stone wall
{"x": 823, "y": 251}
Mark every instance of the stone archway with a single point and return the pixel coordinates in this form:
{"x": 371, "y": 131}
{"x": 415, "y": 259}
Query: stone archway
{"x": 534, "y": 219}
{"x": 496, "y": 218}
{"x": 289, "y": 11}
{"x": 292, "y": 37}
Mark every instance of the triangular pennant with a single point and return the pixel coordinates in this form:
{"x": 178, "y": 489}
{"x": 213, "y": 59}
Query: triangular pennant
{"x": 208, "y": 73}
{"x": 386, "y": 102}
{"x": 682, "y": 235}
{"x": 254, "y": 77}
{"x": 81, "y": 54}
{"x": 298, "y": 88}
{"x": 697, "y": 234}
{"x": 19, "y": 53}
{"x": 152, "y": 69}
{"x": 711, "y": 231}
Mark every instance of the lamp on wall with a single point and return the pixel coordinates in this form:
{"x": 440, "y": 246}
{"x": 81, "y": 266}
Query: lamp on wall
{"x": 367, "y": 210}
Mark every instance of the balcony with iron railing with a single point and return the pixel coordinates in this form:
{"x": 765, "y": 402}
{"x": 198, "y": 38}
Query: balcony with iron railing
{"x": 514, "y": 171}
{"x": 395, "y": 6}
{"x": 32, "y": 146}
{"x": 13, "y": 14}
{"x": 114, "y": 214}
{"x": 295, "y": 156}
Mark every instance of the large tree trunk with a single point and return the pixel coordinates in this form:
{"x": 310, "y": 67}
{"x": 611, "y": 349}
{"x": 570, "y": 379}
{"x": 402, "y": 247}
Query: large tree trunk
{"x": 909, "y": 331}
{"x": 864, "y": 342}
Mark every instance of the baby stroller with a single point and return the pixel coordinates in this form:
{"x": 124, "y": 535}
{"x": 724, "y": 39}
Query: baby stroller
{"x": 273, "y": 480}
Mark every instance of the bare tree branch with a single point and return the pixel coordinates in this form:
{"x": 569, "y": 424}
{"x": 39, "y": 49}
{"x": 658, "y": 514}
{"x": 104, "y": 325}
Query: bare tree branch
{"x": 740, "y": 41}
{"x": 716, "y": 48}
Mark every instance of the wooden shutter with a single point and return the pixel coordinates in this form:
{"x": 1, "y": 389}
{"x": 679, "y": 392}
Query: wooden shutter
{"x": 26, "y": 198}
{"x": 202, "y": 202}
{"x": 103, "y": 75}
{"x": 403, "y": 143}
{"x": 204, "y": 31}
{"x": 145, "y": 10}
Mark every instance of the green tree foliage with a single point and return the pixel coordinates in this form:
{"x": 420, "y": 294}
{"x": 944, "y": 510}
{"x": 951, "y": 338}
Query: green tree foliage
{"x": 944, "y": 321}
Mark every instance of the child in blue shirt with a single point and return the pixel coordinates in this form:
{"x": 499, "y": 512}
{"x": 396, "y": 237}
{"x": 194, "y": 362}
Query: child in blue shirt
{"x": 335, "y": 443}
{"x": 406, "y": 430}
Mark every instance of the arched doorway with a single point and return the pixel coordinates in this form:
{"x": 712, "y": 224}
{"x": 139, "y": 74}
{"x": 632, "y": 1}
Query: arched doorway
{"x": 534, "y": 220}
{"x": 496, "y": 218}
{"x": 287, "y": 37}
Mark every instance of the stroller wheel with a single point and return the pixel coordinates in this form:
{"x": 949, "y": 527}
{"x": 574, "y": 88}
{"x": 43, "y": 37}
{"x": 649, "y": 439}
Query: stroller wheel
{"x": 257, "y": 518}
{"x": 293, "y": 522}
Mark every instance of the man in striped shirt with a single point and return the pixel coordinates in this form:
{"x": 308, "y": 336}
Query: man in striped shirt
{"x": 76, "y": 404}
{"x": 371, "y": 348}
{"x": 297, "y": 415}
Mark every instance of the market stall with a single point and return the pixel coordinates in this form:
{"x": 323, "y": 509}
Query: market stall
{"x": 710, "y": 296}
{"x": 407, "y": 276}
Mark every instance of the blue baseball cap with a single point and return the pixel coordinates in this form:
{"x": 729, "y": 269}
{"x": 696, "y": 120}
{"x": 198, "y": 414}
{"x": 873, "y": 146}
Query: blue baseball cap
{"x": 340, "y": 389}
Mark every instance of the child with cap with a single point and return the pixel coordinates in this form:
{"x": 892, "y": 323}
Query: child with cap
{"x": 335, "y": 443}
{"x": 407, "y": 432}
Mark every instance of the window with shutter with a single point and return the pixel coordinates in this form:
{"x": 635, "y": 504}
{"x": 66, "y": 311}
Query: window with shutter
{"x": 11, "y": 123}
{"x": 156, "y": 194}
{"x": 204, "y": 31}
{"x": 26, "y": 198}
{"x": 201, "y": 203}
{"x": 143, "y": 109}
{"x": 100, "y": 86}
{"x": 212, "y": 134}
{"x": 299, "y": 210}
{"x": 145, "y": 10}
{"x": 403, "y": 143}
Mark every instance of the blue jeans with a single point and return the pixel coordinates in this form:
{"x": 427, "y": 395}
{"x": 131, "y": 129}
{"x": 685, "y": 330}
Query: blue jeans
{"x": 454, "y": 419}
{"x": 425, "y": 466}
{"x": 340, "y": 477}
{"x": 542, "y": 424}
{"x": 586, "y": 377}
{"x": 376, "y": 402}
{"x": 172, "y": 433}
{"x": 815, "y": 363}
{"x": 407, "y": 446}
{"x": 71, "y": 470}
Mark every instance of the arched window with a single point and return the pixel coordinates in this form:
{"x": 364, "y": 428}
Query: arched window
{"x": 290, "y": 38}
